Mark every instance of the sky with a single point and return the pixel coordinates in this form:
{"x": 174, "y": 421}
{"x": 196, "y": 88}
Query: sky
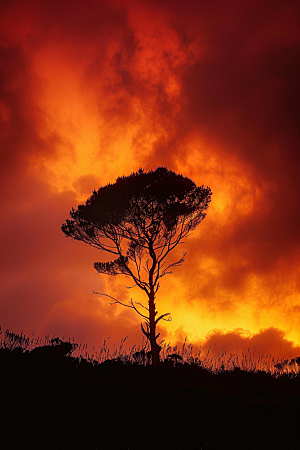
{"x": 92, "y": 90}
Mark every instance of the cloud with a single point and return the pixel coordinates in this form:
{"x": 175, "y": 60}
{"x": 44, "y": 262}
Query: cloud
{"x": 91, "y": 91}
{"x": 266, "y": 342}
{"x": 243, "y": 94}
{"x": 271, "y": 341}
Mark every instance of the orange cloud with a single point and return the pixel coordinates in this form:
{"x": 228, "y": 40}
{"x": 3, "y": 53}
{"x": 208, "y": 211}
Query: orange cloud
{"x": 90, "y": 91}
{"x": 270, "y": 341}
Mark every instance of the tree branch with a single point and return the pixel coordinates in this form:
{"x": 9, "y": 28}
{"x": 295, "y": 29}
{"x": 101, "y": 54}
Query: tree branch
{"x": 174, "y": 264}
{"x": 123, "y": 304}
{"x": 162, "y": 317}
{"x": 146, "y": 333}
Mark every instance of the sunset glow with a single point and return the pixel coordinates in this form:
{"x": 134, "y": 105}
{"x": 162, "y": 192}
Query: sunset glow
{"x": 92, "y": 90}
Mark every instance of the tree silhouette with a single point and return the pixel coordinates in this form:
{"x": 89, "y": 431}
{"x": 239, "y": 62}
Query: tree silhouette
{"x": 140, "y": 219}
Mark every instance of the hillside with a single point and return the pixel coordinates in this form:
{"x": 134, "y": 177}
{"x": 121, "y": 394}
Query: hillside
{"x": 60, "y": 402}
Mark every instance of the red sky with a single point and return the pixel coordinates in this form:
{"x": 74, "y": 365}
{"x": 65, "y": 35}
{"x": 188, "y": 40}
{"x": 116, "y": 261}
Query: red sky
{"x": 91, "y": 90}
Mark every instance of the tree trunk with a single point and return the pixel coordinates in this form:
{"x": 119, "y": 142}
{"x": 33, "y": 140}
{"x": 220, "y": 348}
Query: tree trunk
{"x": 155, "y": 348}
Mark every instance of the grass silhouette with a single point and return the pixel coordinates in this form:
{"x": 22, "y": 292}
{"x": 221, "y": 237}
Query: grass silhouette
{"x": 222, "y": 362}
{"x": 53, "y": 397}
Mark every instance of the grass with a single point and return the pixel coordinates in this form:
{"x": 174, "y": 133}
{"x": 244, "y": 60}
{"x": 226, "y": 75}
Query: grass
{"x": 140, "y": 354}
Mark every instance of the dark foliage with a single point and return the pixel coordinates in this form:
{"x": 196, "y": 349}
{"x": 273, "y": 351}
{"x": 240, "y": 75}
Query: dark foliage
{"x": 50, "y": 353}
{"x": 161, "y": 196}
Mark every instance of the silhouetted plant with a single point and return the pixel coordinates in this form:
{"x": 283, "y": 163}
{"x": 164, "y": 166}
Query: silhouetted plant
{"x": 175, "y": 359}
{"x": 13, "y": 340}
{"x": 142, "y": 357}
{"x": 289, "y": 366}
{"x": 150, "y": 212}
{"x": 56, "y": 349}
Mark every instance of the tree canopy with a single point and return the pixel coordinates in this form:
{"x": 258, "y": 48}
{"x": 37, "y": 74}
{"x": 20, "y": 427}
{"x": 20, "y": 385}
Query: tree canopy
{"x": 140, "y": 218}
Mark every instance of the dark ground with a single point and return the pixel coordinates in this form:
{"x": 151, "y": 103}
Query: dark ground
{"x": 61, "y": 403}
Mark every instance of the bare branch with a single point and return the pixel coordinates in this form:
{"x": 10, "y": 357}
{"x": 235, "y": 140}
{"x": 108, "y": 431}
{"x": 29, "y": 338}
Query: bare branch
{"x": 162, "y": 317}
{"x": 120, "y": 303}
{"x": 113, "y": 298}
{"x": 166, "y": 271}
{"x": 145, "y": 317}
{"x": 146, "y": 333}
{"x": 145, "y": 307}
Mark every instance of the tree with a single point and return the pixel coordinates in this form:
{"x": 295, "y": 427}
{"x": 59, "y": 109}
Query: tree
{"x": 140, "y": 219}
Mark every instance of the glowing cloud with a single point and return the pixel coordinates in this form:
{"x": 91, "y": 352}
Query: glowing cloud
{"x": 93, "y": 90}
